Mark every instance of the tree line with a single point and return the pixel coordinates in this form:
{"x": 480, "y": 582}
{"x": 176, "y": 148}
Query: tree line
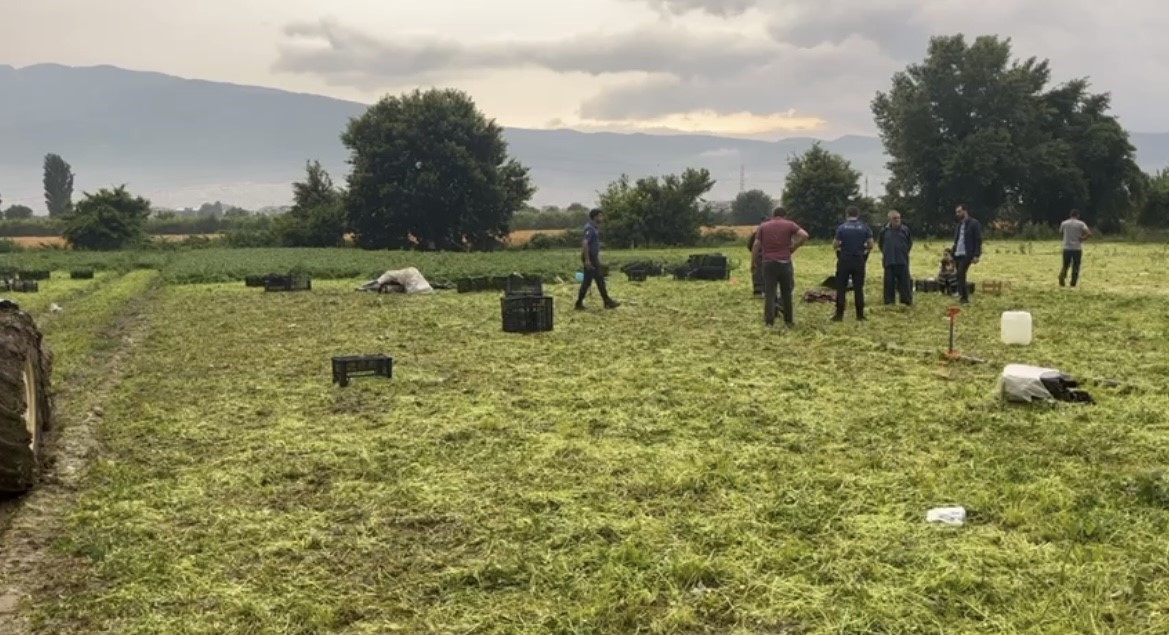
{"x": 969, "y": 124}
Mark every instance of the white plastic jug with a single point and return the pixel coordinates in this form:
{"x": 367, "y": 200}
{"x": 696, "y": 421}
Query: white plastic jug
{"x": 1016, "y": 327}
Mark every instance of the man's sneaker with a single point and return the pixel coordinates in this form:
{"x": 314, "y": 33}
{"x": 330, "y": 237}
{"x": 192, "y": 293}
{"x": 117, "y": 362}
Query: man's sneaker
{"x": 612, "y": 304}
{"x": 837, "y": 318}
{"x": 579, "y": 307}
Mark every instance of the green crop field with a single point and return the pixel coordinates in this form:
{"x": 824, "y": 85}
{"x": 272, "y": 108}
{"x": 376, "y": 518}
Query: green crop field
{"x": 669, "y": 467}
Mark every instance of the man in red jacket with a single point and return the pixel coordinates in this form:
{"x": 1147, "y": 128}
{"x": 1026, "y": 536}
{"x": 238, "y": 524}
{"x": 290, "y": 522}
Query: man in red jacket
{"x": 777, "y": 240}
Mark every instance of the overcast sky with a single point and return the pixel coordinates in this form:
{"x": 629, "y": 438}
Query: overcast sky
{"x": 762, "y": 67}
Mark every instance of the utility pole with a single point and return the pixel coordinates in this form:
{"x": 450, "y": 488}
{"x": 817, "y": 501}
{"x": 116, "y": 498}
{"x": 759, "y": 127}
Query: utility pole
{"x": 742, "y": 178}
{"x": 866, "y": 187}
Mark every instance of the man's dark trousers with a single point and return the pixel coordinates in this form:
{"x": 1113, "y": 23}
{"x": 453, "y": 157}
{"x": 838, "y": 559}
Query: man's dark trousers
{"x": 782, "y": 275}
{"x": 591, "y": 274}
{"x": 757, "y": 275}
{"x": 850, "y": 267}
{"x": 897, "y": 283}
{"x": 1071, "y": 258}
{"x": 963, "y": 265}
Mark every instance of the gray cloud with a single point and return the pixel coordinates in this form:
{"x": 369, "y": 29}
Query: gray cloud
{"x": 346, "y": 54}
{"x": 828, "y": 81}
{"x": 720, "y": 8}
{"x": 824, "y": 59}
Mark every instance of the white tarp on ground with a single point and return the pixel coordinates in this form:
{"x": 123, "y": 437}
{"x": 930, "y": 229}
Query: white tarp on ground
{"x": 1022, "y": 383}
{"x": 410, "y": 279}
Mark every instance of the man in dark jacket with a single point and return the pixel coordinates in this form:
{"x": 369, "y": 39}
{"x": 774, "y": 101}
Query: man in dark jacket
{"x": 967, "y": 248}
{"x": 895, "y": 242}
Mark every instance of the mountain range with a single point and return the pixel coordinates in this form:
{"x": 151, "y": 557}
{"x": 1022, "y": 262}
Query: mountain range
{"x": 182, "y": 142}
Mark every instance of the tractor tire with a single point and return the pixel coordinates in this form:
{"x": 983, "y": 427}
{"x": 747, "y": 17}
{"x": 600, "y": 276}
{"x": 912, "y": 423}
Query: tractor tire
{"x": 25, "y": 401}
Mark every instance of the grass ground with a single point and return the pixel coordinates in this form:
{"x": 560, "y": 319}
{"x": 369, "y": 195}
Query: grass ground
{"x": 670, "y": 467}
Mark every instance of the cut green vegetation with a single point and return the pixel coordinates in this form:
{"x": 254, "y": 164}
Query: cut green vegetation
{"x": 668, "y": 467}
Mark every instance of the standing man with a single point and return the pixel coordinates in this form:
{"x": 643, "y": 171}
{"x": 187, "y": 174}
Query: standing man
{"x": 853, "y": 242}
{"x": 895, "y": 243}
{"x": 590, "y": 258}
{"x": 777, "y": 240}
{"x": 967, "y": 248}
{"x": 1074, "y": 231}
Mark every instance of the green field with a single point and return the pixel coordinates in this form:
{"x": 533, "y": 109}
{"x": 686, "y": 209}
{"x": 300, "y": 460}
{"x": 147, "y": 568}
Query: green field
{"x": 669, "y": 467}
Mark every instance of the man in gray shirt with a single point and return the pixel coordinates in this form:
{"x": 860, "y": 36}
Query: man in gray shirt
{"x": 1074, "y": 231}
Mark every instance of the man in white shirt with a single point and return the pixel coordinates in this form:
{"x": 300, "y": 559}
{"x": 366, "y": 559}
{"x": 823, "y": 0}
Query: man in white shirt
{"x": 1074, "y": 232}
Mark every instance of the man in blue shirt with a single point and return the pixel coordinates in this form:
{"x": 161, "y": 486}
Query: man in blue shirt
{"x": 854, "y": 241}
{"x": 590, "y": 259}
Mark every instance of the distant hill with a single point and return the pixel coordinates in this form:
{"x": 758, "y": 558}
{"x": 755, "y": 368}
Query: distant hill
{"x": 182, "y": 142}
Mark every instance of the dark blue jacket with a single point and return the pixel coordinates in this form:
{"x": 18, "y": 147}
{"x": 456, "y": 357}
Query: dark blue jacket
{"x": 854, "y": 235}
{"x": 895, "y": 244}
{"x": 973, "y": 238}
{"x": 592, "y": 234}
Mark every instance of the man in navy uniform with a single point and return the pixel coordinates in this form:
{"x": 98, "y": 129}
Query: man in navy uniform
{"x": 854, "y": 241}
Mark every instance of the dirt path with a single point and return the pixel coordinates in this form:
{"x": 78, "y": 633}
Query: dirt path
{"x": 29, "y": 526}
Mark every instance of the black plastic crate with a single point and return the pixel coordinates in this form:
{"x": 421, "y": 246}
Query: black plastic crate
{"x": 290, "y": 282}
{"x": 711, "y": 273}
{"x": 518, "y": 285}
{"x": 81, "y": 274}
{"x": 926, "y": 286}
{"x": 361, "y": 366}
{"x": 649, "y": 267}
{"x": 258, "y": 281}
{"x": 704, "y": 267}
{"x": 637, "y": 275}
{"x": 526, "y": 314}
{"x": 34, "y": 274}
{"x": 22, "y": 286}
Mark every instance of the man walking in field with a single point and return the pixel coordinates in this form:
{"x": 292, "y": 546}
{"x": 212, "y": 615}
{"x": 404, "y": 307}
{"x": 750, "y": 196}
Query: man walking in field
{"x": 590, "y": 258}
{"x": 895, "y": 242}
{"x": 853, "y": 242}
{"x": 1074, "y": 231}
{"x": 967, "y": 248}
{"x": 777, "y": 240}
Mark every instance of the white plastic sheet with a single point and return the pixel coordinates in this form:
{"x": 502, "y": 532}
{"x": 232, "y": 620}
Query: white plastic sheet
{"x": 946, "y": 515}
{"x": 1023, "y": 384}
{"x": 409, "y": 278}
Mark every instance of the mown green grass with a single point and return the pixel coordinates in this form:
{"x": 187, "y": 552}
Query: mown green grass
{"x": 79, "y": 329}
{"x": 670, "y": 467}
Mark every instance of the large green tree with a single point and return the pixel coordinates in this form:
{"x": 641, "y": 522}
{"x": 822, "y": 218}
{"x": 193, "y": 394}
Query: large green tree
{"x": 657, "y": 211}
{"x": 18, "y": 212}
{"x": 58, "y": 183}
{"x": 751, "y": 206}
{"x": 819, "y": 187}
{"x": 317, "y": 217}
{"x": 971, "y": 125}
{"x": 107, "y": 221}
{"x": 1155, "y": 208}
{"x": 430, "y": 169}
